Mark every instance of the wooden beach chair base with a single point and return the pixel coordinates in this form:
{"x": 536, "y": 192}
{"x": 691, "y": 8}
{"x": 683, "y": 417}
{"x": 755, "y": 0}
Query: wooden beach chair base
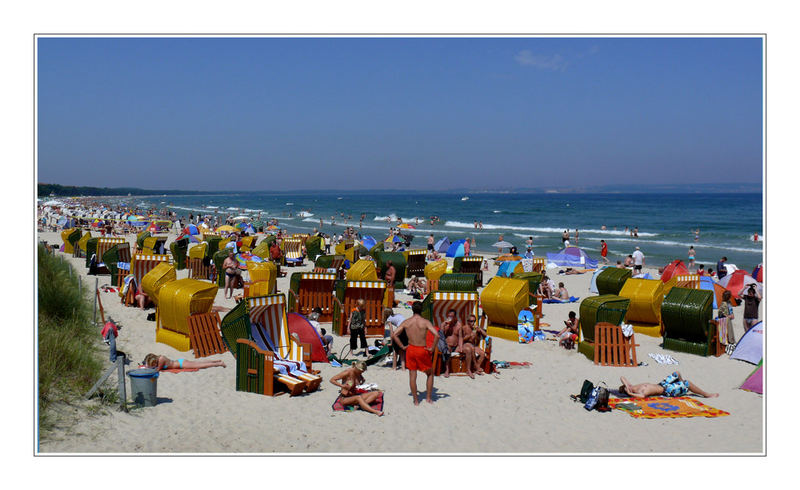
{"x": 204, "y": 334}
{"x": 612, "y": 348}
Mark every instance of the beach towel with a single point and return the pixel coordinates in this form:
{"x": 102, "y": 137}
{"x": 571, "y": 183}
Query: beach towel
{"x": 722, "y": 330}
{"x": 527, "y": 265}
{"x": 663, "y": 358}
{"x": 338, "y": 407}
{"x": 658, "y": 407}
{"x": 571, "y": 299}
{"x": 184, "y": 370}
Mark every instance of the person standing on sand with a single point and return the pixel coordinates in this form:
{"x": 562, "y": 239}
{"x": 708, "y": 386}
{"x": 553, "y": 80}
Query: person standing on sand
{"x": 576, "y": 237}
{"x": 691, "y": 255}
{"x": 390, "y": 274}
{"x": 604, "y": 251}
{"x": 357, "y": 327}
{"x": 466, "y": 247}
{"x": 418, "y": 355}
{"x": 638, "y": 261}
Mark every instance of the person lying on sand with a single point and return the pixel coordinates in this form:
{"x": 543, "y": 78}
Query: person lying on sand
{"x": 163, "y": 362}
{"x": 348, "y": 381}
{"x": 673, "y": 385}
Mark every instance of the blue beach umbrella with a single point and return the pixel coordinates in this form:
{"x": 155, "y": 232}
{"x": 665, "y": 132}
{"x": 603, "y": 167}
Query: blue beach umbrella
{"x": 394, "y": 239}
{"x": 507, "y": 268}
{"x": 456, "y": 249}
{"x": 442, "y": 245}
{"x": 368, "y": 242}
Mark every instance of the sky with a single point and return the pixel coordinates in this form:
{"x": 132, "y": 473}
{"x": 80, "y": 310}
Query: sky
{"x": 227, "y": 114}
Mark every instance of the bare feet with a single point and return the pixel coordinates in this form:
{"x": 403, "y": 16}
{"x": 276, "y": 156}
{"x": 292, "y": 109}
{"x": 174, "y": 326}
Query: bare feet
{"x": 713, "y": 395}
{"x": 446, "y": 375}
{"x": 222, "y": 364}
{"x": 416, "y": 402}
{"x": 429, "y": 401}
{"x": 379, "y": 414}
{"x": 471, "y": 375}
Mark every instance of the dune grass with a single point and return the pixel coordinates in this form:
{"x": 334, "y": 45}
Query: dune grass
{"x": 70, "y": 360}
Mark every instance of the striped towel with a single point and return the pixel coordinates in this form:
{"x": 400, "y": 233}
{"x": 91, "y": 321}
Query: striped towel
{"x": 722, "y": 329}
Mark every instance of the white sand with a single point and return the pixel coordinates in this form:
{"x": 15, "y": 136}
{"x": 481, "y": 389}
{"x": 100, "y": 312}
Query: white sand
{"x": 518, "y": 411}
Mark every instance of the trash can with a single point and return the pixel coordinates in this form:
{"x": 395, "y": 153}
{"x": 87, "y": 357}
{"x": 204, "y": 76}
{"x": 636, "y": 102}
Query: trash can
{"x": 144, "y": 382}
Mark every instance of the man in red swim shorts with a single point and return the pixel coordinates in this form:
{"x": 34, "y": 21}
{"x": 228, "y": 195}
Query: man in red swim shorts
{"x": 418, "y": 355}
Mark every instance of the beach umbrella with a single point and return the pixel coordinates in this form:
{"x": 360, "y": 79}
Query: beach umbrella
{"x": 271, "y": 227}
{"x": 406, "y": 226}
{"x": 191, "y": 230}
{"x": 250, "y": 230}
{"x": 507, "y": 257}
{"x": 456, "y": 249}
{"x": 240, "y": 217}
{"x": 571, "y": 257}
{"x": 191, "y": 238}
{"x": 241, "y": 225}
{"x": 368, "y": 242}
{"x": 442, "y": 245}
{"x": 675, "y": 268}
{"x": 227, "y": 228}
{"x": 758, "y": 273}
{"x": 394, "y": 239}
{"x": 503, "y": 244}
{"x": 738, "y": 280}
{"x": 244, "y": 257}
{"x": 135, "y": 217}
{"x": 152, "y": 227}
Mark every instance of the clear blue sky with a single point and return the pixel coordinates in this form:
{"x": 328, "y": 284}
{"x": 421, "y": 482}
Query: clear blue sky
{"x": 372, "y": 113}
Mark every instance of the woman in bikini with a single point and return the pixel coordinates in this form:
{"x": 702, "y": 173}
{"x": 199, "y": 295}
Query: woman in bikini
{"x": 348, "y": 382}
{"x": 160, "y": 363}
{"x": 231, "y": 271}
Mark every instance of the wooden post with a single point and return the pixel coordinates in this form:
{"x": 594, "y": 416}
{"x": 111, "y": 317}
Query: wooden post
{"x": 94, "y": 306}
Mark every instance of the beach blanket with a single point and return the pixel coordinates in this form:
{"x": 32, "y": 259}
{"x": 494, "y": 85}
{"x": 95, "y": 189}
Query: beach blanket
{"x": 722, "y": 329}
{"x": 571, "y": 299}
{"x": 663, "y": 358}
{"x": 338, "y": 407}
{"x": 658, "y": 407}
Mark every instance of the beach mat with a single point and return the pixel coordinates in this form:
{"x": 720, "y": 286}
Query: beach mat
{"x": 184, "y": 370}
{"x": 338, "y": 407}
{"x": 571, "y": 299}
{"x": 662, "y": 407}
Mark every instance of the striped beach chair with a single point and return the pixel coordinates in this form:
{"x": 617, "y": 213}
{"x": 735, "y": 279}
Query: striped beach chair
{"x": 141, "y": 264}
{"x": 102, "y": 246}
{"x": 470, "y": 265}
{"x": 415, "y": 263}
{"x": 309, "y": 290}
{"x": 435, "y": 308}
{"x": 154, "y": 245}
{"x": 262, "y": 321}
{"x": 292, "y": 251}
{"x": 256, "y": 372}
{"x": 347, "y": 294}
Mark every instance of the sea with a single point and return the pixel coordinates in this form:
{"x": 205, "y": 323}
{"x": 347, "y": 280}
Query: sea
{"x": 727, "y": 223}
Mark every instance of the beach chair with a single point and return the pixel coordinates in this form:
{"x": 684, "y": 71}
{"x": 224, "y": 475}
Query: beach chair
{"x": 312, "y": 290}
{"x": 612, "y": 348}
{"x": 177, "y": 300}
{"x": 458, "y": 282}
{"x": 292, "y": 251}
{"x": 213, "y": 242}
{"x": 347, "y": 294}
{"x": 502, "y": 300}
{"x": 154, "y": 245}
{"x": 415, "y": 262}
{"x": 435, "y": 308}
{"x": 301, "y": 236}
{"x": 262, "y": 321}
{"x": 611, "y": 280}
{"x": 199, "y": 270}
{"x": 80, "y": 245}
{"x": 686, "y": 316}
{"x": 141, "y": 264}
{"x": 70, "y": 236}
{"x": 204, "y": 334}
{"x": 117, "y": 260}
{"x": 431, "y": 285}
{"x": 140, "y": 237}
{"x": 330, "y": 263}
{"x": 256, "y": 372}
{"x": 607, "y": 308}
{"x": 644, "y": 311}
{"x": 156, "y": 278}
{"x": 248, "y": 243}
{"x": 469, "y": 265}
{"x": 398, "y": 261}
{"x": 106, "y": 261}
{"x": 178, "y": 249}
{"x": 263, "y": 279}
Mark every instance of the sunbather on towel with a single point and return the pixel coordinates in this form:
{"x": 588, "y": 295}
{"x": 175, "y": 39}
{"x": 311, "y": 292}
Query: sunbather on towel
{"x": 348, "y": 380}
{"x": 561, "y": 292}
{"x": 673, "y": 385}
{"x": 163, "y": 362}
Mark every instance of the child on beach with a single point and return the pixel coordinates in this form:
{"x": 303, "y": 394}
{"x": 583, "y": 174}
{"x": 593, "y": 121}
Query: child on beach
{"x": 348, "y": 382}
{"x": 163, "y": 362}
{"x": 569, "y": 334}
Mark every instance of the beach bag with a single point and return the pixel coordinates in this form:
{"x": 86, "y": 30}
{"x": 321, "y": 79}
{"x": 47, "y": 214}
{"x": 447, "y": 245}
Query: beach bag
{"x": 444, "y": 349}
{"x": 586, "y": 390}
{"x": 598, "y": 399}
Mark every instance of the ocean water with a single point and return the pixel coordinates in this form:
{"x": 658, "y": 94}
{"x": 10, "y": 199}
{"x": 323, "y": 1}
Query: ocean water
{"x": 666, "y": 222}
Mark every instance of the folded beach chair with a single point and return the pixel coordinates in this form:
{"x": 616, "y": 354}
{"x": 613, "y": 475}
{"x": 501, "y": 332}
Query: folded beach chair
{"x": 347, "y": 294}
{"x": 469, "y": 265}
{"x": 292, "y": 249}
{"x": 309, "y": 290}
{"x": 435, "y": 308}
{"x": 686, "y": 315}
{"x": 154, "y": 245}
{"x": 103, "y": 245}
{"x": 70, "y": 236}
{"x": 607, "y": 308}
{"x": 204, "y": 334}
{"x": 415, "y": 262}
{"x": 141, "y": 264}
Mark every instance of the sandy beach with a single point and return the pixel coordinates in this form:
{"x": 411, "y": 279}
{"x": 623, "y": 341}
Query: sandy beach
{"x": 519, "y": 410}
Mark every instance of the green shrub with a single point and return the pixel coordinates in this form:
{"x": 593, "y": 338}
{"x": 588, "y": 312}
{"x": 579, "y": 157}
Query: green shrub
{"x": 69, "y": 355}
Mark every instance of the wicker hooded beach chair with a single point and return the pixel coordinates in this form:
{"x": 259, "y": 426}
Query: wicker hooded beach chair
{"x": 465, "y": 303}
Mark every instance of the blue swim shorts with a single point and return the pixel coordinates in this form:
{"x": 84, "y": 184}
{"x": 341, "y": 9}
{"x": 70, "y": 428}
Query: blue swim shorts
{"x": 674, "y": 387}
